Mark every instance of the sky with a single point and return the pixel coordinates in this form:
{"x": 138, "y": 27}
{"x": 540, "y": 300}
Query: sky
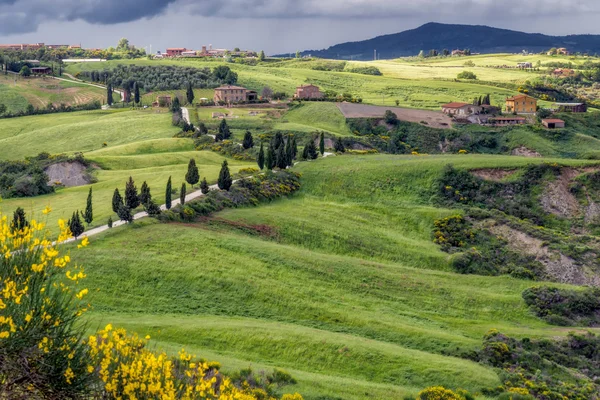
{"x": 275, "y": 26}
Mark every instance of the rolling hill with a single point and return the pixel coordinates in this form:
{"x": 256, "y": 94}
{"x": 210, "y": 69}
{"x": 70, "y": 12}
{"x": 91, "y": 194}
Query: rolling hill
{"x": 477, "y": 38}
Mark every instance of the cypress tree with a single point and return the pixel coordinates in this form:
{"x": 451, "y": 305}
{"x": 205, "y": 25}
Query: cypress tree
{"x": 225, "y": 180}
{"x": 176, "y": 105}
{"x": 310, "y": 150}
{"x": 289, "y": 152}
{"x": 131, "y": 194}
{"x": 110, "y": 222}
{"x": 322, "y": 143}
{"x": 124, "y": 214}
{"x": 136, "y": 93}
{"x": 192, "y": 177}
{"x": 204, "y": 186}
{"x": 294, "y": 147}
{"x": 168, "y": 194}
{"x": 145, "y": 195}
{"x": 19, "y": 221}
{"x": 182, "y": 194}
{"x": 270, "y": 158}
{"x": 282, "y": 162}
{"x": 152, "y": 209}
{"x": 117, "y": 201}
{"x": 109, "y": 93}
{"x": 260, "y": 160}
{"x": 224, "y": 132}
{"x": 248, "y": 142}
{"x": 190, "y": 93}
{"x": 88, "y": 216}
{"x": 277, "y": 141}
{"x": 339, "y": 145}
{"x": 75, "y": 225}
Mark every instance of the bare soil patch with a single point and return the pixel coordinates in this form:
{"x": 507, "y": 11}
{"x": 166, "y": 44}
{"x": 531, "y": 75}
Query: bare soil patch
{"x": 493, "y": 174}
{"x": 525, "y": 152}
{"x": 68, "y": 174}
{"x": 557, "y": 198}
{"x": 434, "y": 119}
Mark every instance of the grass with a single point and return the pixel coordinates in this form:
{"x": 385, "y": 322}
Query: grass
{"x": 311, "y": 116}
{"x": 350, "y": 289}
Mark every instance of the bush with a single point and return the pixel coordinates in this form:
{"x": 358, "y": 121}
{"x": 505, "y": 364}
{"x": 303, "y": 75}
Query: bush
{"x": 565, "y": 307}
{"x": 466, "y": 75}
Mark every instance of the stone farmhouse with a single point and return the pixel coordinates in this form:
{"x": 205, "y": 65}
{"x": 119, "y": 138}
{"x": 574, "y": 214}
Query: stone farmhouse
{"x": 461, "y": 109}
{"x": 308, "y": 92}
{"x": 234, "y": 94}
{"x": 521, "y": 104}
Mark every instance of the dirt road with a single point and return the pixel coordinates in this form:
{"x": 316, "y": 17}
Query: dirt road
{"x": 434, "y": 119}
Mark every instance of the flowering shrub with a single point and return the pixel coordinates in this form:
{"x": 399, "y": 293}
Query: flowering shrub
{"x": 439, "y": 393}
{"x": 452, "y": 231}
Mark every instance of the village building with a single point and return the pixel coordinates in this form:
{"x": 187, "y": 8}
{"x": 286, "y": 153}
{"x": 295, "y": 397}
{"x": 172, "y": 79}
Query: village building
{"x": 41, "y": 70}
{"x": 500, "y": 121}
{"x": 308, "y": 92}
{"x": 563, "y": 72}
{"x": 175, "y": 51}
{"x": 553, "y": 123}
{"x": 570, "y": 107}
{"x": 458, "y": 52}
{"x": 163, "y": 101}
{"x": 461, "y": 109}
{"x": 234, "y": 94}
{"x": 524, "y": 65}
{"x": 521, "y": 104}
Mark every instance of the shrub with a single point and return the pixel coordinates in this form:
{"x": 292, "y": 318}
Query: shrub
{"x": 565, "y": 307}
{"x": 466, "y": 75}
{"x": 438, "y": 393}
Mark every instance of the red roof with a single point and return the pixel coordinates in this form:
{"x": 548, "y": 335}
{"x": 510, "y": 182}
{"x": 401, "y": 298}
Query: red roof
{"x": 456, "y": 105}
{"x": 177, "y": 48}
{"x": 553, "y": 121}
{"x": 520, "y": 96}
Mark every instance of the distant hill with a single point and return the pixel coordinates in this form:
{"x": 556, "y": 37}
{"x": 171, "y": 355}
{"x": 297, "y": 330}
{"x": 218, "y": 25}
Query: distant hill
{"x": 477, "y": 38}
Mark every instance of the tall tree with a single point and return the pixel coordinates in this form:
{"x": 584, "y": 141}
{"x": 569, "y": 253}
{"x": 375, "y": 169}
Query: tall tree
{"x": 176, "y": 105}
{"x": 88, "y": 216}
{"x": 225, "y": 181}
{"x": 124, "y": 214}
{"x": 270, "y": 159}
{"x": 145, "y": 195}
{"x": 168, "y": 194}
{"x": 310, "y": 150}
{"x": 339, "y": 145}
{"x": 182, "y": 194}
{"x": 132, "y": 199}
{"x": 123, "y": 44}
{"x": 294, "y": 147}
{"x": 224, "y": 131}
{"x": 289, "y": 151}
{"x": 19, "y": 221}
{"x": 192, "y": 176}
{"x": 117, "y": 201}
{"x": 75, "y": 225}
{"x": 277, "y": 140}
{"x": 136, "y": 93}
{"x": 281, "y": 158}
{"x": 248, "y": 141}
{"x": 322, "y": 143}
{"x": 260, "y": 160}
{"x": 261, "y": 56}
{"x": 204, "y": 186}
{"x": 190, "y": 93}
{"x": 109, "y": 94}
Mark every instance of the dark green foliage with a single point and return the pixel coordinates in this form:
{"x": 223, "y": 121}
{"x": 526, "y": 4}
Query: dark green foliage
{"x": 136, "y": 93}
{"x": 270, "y": 159}
{"x": 566, "y": 307}
{"x": 168, "y": 194}
{"x": 152, "y": 209}
{"x": 117, "y": 201}
{"x": 224, "y": 132}
{"x": 26, "y": 178}
{"x": 225, "y": 181}
{"x": 338, "y": 145}
{"x": 202, "y": 129}
{"x": 131, "y": 194}
{"x": 19, "y": 220}
{"x": 364, "y": 71}
{"x": 189, "y": 93}
{"x": 310, "y": 151}
{"x": 248, "y": 142}
{"x": 289, "y": 151}
{"x": 543, "y": 113}
{"x": 322, "y": 143}
{"x": 25, "y": 71}
{"x": 175, "y": 105}
{"x": 109, "y": 93}
{"x": 390, "y": 118}
{"x": 269, "y": 383}
{"x": 281, "y": 158}
{"x": 294, "y": 147}
{"x": 145, "y": 195}
{"x": 466, "y": 75}
{"x": 75, "y": 225}
{"x": 204, "y": 186}
{"x": 125, "y": 214}
{"x": 277, "y": 141}
{"x": 88, "y": 216}
{"x": 110, "y": 222}
{"x": 260, "y": 160}
{"x": 182, "y": 193}
{"x": 548, "y": 369}
{"x": 192, "y": 176}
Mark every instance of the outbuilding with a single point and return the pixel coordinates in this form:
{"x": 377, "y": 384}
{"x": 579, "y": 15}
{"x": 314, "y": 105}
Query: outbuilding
{"x": 553, "y": 123}
{"x": 461, "y": 109}
{"x": 41, "y": 70}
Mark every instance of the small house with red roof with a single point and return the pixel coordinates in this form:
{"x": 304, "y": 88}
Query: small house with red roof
{"x": 553, "y": 123}
{"x": 461, "y": 109}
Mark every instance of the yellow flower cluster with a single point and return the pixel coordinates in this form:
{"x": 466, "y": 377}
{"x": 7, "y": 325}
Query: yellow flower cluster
{"x": 130, "y": 371}
{"x": 439, "y": 393}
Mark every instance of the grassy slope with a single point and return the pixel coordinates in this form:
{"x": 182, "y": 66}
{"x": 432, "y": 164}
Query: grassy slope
{"x": 351, "y": 290}
{"x": 312, "y": 116}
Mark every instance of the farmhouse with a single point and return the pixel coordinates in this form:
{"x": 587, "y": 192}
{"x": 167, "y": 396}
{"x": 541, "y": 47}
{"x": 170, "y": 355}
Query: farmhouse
{"x": 521, "y": 104}
{"x": 458, "y": 52}
{"x": 163, "y": 101}
{"x": 552, "y": 123}
{"x": 189, "y": 53}
{"x": 524, "y": 65}
{"x": 570, "y": 107}
{"x": 175, "y": 51}
{"x": 234, "y": 94}
{"x": 308, "y": 92}
{"x": 461, "y": 109}
{"x": 41, "y": 70}
{"x": 499, "y": 121}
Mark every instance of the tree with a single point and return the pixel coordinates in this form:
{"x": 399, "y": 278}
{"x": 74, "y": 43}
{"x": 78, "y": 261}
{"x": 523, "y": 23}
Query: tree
{"x": 190, "y": 93}
{"x": 110, "y": 222}
{"x": 25, "y": 71}
{"x": 75, "y": 225}
{"x": 467, "y": 75}
{"x": 132, "y": 199}
{"x": 339, "y": 145}
{"x": 136, "y": 93}
{"x": 145, "y": 195}
{"x": 124, "y": 214}
{"x": 176, "y": 105}
{"x": 397, "y": 103}
{"x": 421, "y": 54}
{"x": 152, "y": 209}
{"x": 298, "y": 55}
{"x": 88, "y": 216}
{"x": 19, "y": 221}
{"x": 123, "y": 44}
{"x": 224, "y": 131}
{"x": 2, "y": 108}
{"x": 225, "y": 180}
{"x": 248, "y": 142}
{"x": 109, "y": 94}
{"x": 277, "y": 141}
{"x": 260, "y": 159}
{"x": 117, "y": 201}
{"x": 289, "y": 151}
{"x": 281, "y": 158}
{"x": 322, "y": 143}
{"x": 182, "y": 194}
{"x": 202, "y": 129}
{"x": 310, "y": 151}
{"x": 261, "y": 56}
{"x": 168, "y": 194}
{"x": 192, "y": 176}
{"x": 204, "y": 186}
{"x": 267, "y": 93}
{"x": 270, "y": 159}
{"x": 543, "y": 113}
{"x": 390, "y": 118}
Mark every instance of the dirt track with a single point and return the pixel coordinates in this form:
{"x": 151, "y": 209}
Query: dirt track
{"x": 433, "y": 119}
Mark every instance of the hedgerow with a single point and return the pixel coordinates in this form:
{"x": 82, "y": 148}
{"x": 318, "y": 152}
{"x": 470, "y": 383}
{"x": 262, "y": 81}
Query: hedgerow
{"x": 566, "y": 307}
